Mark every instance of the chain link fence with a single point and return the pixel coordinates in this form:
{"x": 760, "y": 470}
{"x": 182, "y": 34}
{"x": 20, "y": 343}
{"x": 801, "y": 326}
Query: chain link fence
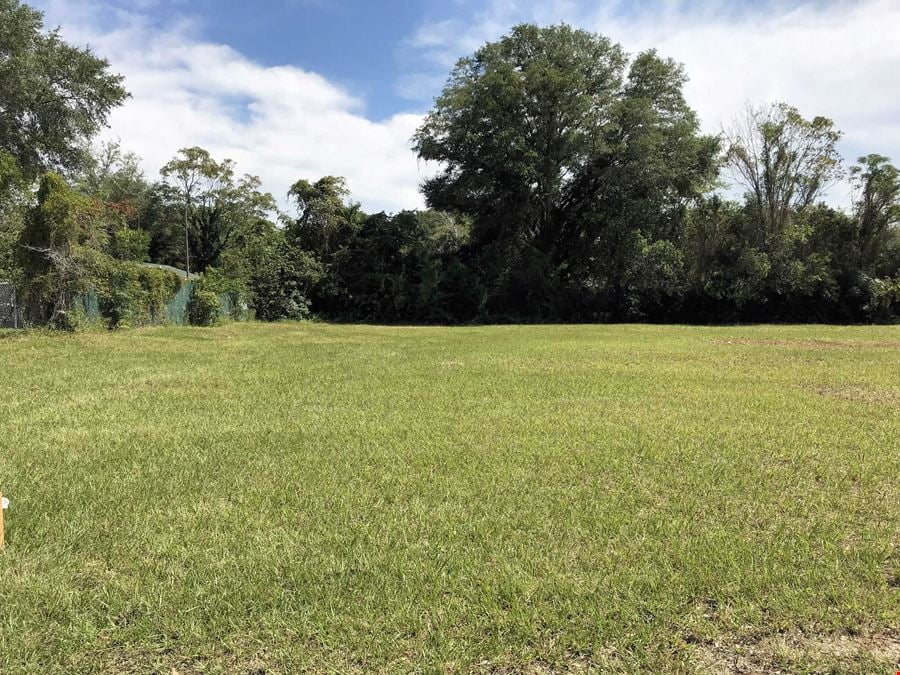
{"x": 10, "y": 316}
{"x": 175, "y": 312}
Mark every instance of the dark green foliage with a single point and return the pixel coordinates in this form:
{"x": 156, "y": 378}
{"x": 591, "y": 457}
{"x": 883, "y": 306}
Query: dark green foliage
{"x": 132, "y": 294}
{"x": 563, "y": 155}
{"x": 881, "y": 299}
{"x": 654, "y": 281}
{"x": 214, "y": 206}
{"x": 811, "y": 271}
{"x": 13, "y": 207}
{"x": 204, "y": 308}
{"x": 585, "y": 178}
{"x": 161, "y": 219}
{"x": 395, "y": 268}
{"x": 53, "y": 96}
{"x": 281, "y": 284}
{"x": 324, "y": 220}
{"x": 61, "y": 245}
{"x": 574, "y": 184}
{"x": 708, "y": 260}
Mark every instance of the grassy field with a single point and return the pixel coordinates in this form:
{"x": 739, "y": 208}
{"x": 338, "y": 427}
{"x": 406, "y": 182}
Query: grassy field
{"x": 269, "y": 498}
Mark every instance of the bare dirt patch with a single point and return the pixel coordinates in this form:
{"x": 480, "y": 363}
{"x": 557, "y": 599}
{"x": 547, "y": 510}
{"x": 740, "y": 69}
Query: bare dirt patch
{"x": 791, "y": 651}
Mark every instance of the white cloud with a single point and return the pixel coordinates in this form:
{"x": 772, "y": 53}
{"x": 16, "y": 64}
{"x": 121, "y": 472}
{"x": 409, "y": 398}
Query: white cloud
{"x": 281, "y": 123}
{"x": 837, "y": 58}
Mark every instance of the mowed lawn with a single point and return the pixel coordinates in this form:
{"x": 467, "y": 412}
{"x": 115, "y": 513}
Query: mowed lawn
{"x": 271, "y": 498}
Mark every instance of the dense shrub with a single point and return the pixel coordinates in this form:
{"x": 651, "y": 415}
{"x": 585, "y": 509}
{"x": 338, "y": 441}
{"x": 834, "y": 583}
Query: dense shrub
{"x": 280, "y": 286}
{"x": 128, "y": 244}
{"x": 13, "y": 198}
{"x": 204, "y": 308}
{"x": 60, "y": 246}
{"x": 882, "y": 300}
{"x": 231, "y": 290}
{"x": 653, "y": 281}
{"x": 132, "y": 294}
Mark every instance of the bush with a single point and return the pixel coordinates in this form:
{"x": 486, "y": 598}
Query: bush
{"x": 230, "y": 289}
{"x": 128, "y": 244}
{"x": 882, "y": 300}
{"x": 60, "y": 246}
{"x": 204, "y": 308}
{"x": 654, "y": 280}
{"x": 281, "y": 285}
{"x": 459, "y": 293}
{"x": 132, "y": 294}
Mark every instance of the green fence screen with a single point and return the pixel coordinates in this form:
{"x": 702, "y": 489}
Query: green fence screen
{"x": 176, "y": 308}
{"x": 176, "y": 312}
{"x": 89, "y": 304}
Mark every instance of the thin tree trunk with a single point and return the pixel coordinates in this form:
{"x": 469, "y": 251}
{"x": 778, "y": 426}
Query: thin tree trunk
{"x": 187, "y": 247}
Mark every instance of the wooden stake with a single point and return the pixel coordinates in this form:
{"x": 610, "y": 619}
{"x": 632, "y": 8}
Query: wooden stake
{"x": 1, "y": 522}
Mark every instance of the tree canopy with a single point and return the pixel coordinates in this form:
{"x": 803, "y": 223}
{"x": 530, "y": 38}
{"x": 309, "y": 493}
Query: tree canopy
{"x": 574, "y": 183}
{"x": 55, "y": 97}
{"x": 563, "y": 152}
{"x": 216, "y": 204}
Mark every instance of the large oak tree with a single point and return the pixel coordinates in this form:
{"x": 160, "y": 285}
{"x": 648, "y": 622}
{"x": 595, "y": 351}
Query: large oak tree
{"x": 53, "y": 97}
{"x": 564, "y": 153}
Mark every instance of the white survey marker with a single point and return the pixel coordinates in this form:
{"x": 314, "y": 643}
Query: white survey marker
{"x": 5, "y": 503}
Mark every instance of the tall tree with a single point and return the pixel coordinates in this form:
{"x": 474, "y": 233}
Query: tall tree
{"x": 516, "y": 123}
{"x": 877, "y": 207}
{"x": 551, "y": 143}
{"x": 184, "y": 174}
{"x": 216, "y": 205}
{"x": 227, "y": 209}
{"x": 53, "y": 96}
{"x": 325, "y": 226}
{"x": 633, "y": 200}
{"x": 112, "y": 175}
{"x": 784, "y": 162}
{"x": 324, "y": 214}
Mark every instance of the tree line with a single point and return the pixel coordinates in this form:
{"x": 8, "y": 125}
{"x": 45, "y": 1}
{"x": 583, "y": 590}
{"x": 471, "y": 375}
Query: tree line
{"x": 574, "y": 184}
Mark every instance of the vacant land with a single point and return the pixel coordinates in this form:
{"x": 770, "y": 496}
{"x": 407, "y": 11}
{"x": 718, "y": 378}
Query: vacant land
{"x": 266, "y": 498}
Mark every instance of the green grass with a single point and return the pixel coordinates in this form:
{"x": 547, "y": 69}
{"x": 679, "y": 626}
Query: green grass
{"x": 268, "y": 498}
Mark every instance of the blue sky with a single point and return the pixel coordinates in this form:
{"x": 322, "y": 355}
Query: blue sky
{"x": 362, "y": 46}
{"x": 301, "y": 88}
{"x": 357, "y": 44}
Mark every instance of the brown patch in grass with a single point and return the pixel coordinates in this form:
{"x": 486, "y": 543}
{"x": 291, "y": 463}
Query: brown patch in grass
{"x": 813, "y": 343}
{"x": 602, "y": 660}
{"x": 789, "y": 651}
{"x": 860, "y": 394}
